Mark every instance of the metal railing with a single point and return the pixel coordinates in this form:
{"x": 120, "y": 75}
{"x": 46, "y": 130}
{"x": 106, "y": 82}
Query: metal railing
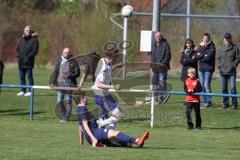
{"x": 31, "y": 108}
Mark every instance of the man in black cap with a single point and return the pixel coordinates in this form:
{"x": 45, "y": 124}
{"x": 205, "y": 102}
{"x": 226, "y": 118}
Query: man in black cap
{"x": 228, "y": 60}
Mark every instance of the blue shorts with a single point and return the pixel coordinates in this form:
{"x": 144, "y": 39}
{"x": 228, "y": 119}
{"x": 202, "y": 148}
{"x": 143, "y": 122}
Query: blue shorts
{"x": 107, "y": 103}
{"x": 101, "y": 134}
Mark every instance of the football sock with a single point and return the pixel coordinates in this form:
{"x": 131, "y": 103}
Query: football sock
{"x": 108, "y": 121}
{"x": 113, "y": 126}
{"x": 123, "y": 138}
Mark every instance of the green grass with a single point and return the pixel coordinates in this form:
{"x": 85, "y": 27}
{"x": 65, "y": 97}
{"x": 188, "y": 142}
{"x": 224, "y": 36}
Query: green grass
{"x": 45, "y": 138}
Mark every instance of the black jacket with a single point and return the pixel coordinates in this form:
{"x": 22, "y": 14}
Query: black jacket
{"x": 188, "y": 60}
{"x": 207, "y": 58}
{"x": 74, "y": 71}
{"x": 228, "y": 59}
{"x": 26, "y": 51}
{"x": 163, "y": 56}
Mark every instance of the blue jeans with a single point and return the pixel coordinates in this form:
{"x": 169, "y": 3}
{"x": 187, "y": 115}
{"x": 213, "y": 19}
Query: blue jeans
{"x": 205, "y": 80}
{"x": 22, "y": 75}
{"x": 159, "y": 83}
{"x": 159, "y": 80}
{"x": 232, "y": 81}
{"x": 163, "y": 78}
{"x": 60, "y": 99}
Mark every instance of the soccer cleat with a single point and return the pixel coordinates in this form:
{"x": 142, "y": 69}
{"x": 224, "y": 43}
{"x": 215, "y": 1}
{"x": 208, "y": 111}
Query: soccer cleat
{"x": 28, "y": 94}
{"x": 140, "y": 141}
{"x": 21, "y": 93}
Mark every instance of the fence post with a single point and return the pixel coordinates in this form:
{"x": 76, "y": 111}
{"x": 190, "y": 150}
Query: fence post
{"x": 31, "y": 104}
{"x": 125, "y": 33}
{"x": 152, "y": 108}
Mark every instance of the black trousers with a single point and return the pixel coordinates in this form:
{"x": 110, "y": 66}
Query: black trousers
{"x": 189, "y": 107}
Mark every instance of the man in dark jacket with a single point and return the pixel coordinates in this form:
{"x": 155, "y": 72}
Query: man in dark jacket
{"x": 26, "y": 51}
{"x": 228, "y": 60}
{"x": 206, "y": 55}
{"x": 160, "y": 64}
{"x": 65, "y": 74}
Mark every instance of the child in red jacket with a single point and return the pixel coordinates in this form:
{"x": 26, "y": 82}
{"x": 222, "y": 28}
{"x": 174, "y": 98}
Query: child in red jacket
{"x": 192, "y": 85}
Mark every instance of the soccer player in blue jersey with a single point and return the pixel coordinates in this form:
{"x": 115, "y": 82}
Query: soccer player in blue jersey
{"x": 99, "y": 137}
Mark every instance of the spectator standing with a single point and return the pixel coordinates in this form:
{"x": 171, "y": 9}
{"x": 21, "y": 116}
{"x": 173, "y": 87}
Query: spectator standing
{"x": 160, "y": 58}
{"x": 65, "y": 74}
{"x": 192, "y": 85}
{"x": 26, "y": 51}
{"x": 206, "y": 55}
{"x": 188, "y": 59}
{"x": 228, "y": 60}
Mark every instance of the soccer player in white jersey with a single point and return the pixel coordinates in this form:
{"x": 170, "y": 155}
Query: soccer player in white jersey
{"x": 102, "y": 97}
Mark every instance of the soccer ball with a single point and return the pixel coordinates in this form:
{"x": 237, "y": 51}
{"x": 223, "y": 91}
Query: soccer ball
{"x": 127, "y": 11}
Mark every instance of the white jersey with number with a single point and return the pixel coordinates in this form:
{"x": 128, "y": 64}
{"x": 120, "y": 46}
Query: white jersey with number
{"x": 104, "y": 75}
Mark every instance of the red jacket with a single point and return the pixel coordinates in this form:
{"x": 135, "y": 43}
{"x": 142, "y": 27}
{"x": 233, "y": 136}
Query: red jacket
{"x": 191, "y": 86}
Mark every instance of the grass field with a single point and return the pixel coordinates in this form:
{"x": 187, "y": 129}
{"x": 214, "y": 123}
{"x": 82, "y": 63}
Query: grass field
{"x": 45, "y": 138}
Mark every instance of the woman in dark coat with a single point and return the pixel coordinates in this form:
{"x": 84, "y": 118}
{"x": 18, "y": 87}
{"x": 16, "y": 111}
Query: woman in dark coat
{"x": 188, "y": 58}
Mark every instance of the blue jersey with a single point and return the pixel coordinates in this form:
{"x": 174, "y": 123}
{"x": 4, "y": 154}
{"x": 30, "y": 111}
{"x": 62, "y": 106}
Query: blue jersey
{"x": 99, "y": 133}
{"x": 84, "y": 114}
